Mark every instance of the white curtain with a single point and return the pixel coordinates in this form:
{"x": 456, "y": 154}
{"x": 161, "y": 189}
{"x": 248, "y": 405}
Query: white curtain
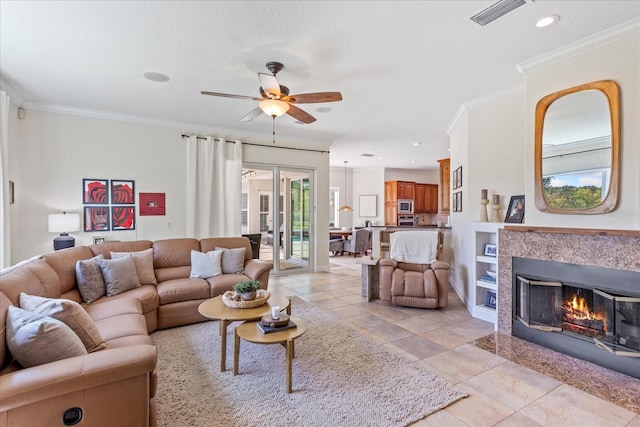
{"x": 214, "y": 187}
{"x": 5, "y": 224}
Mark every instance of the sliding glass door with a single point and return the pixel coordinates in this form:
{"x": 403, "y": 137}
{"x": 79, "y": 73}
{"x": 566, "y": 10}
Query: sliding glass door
{"x": 286, "y": 237}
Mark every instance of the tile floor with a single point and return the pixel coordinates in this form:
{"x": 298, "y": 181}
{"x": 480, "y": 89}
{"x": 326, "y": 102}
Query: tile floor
{"x": 501, "y": 392}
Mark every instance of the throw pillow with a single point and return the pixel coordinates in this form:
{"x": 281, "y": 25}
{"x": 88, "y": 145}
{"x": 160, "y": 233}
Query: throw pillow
{"x": 232, "y": 260}
{"x": 34, "y": 339}
{"x": 89, "y": 278}
{"x": 68, "y": 312}
{"x": 144, "y": 265}
{"x": 119, "y": 275}
{"x": 205, "y": 265}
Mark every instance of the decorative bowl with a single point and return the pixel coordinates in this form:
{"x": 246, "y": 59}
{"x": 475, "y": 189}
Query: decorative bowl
{"x": 491, "y": 274}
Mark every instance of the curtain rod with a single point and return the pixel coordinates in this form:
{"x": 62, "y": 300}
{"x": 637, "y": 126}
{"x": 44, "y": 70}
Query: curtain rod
{"x": 184, "y": 135}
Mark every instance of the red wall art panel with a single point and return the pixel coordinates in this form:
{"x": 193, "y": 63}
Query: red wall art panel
{"x": 122, "y": 192}
{"x": 95, "y": 192}
{"x": 152, "y": 204}
{"x": 96, "y": 218}
{"x": 123, "y": 218}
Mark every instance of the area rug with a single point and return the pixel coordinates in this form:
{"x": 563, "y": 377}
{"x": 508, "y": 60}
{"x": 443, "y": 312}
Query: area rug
{"x": 340, "y": 378}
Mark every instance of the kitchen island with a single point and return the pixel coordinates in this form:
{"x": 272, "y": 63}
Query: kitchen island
{"x": 376, "y": 237}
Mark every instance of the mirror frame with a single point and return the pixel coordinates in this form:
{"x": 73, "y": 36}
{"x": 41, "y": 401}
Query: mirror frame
{"x": 611, "y": 91}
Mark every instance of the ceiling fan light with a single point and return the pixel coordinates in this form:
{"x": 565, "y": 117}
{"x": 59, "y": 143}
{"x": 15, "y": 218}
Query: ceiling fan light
{"x": 273, "y": 107}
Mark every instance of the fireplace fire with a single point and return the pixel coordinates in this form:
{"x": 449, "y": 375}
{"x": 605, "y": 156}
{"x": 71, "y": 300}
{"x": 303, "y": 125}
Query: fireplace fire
{"x": 578, "y": 318}
{"x": 610, "y": 320}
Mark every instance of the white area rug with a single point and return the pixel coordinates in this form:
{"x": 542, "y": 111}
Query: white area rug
{"x": 340, "y": 378}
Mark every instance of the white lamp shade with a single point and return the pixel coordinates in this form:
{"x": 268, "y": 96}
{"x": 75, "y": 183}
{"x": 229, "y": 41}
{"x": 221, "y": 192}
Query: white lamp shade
{"x": 64, "y": 223}
{"x": 274, "y": 107}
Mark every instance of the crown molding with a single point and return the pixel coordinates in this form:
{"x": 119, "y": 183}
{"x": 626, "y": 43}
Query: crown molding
{"x": 613, "y": 34}
{"x": 483, "y": 100}
{"x": 181, "y": 127}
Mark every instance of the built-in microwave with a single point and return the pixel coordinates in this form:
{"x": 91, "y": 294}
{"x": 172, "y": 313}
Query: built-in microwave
{"x": 405, "y": 206}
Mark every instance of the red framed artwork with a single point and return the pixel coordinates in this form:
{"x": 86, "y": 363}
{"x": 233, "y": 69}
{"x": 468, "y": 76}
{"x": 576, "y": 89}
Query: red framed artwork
{"x": 152, "y": 204}
{"x": 95, "y": 191}
{"x": 123, "y": 218}
{"x": 122, "y": 192}
{"x": 96, "y": 218}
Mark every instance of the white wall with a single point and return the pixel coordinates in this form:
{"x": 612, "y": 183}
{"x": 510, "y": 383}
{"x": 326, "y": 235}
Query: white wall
{"x": 368, "y": 181}
{"x": 617, "y": 61}
{"x": 494, "y": 144}
{"x": 488, "y": 142}
{"x": 51, "y": 153}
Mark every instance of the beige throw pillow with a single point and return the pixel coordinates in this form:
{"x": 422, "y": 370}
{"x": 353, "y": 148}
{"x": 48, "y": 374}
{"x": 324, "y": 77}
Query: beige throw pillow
{"x": 144, "y": 265}
{"x": 205, "y": 265}
{"x": 34, "y": 339}
{"x": 119, "y": 275}
{"x": 68, "y": 312}
{"x": 232, "y": 260}
{"x": 89, "y": 278}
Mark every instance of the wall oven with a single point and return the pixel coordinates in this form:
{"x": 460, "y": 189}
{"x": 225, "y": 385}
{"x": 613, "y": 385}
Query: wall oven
{"x": 406, "y": 220}
{"x": 405, "y": 206}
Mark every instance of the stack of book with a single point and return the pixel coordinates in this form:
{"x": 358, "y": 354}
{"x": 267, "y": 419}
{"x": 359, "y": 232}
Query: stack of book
{"x": 270, "y": 329}
{"x": 487, "y": 278}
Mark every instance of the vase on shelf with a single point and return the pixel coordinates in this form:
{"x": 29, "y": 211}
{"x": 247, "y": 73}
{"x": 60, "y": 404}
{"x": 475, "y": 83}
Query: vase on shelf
{"x": 483, "y": 210}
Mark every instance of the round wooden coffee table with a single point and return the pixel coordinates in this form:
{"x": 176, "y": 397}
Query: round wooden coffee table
{"x": 249, "y": 331}
{"x": 215, "y": 309}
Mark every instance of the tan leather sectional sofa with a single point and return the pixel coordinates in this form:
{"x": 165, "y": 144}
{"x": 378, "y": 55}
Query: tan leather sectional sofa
{"x": 114, "y": 386}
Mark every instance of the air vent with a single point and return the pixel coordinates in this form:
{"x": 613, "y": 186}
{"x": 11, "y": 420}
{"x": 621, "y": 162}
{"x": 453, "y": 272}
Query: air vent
{"x": 496, "y": 10}
{"x": 366, "y": 155}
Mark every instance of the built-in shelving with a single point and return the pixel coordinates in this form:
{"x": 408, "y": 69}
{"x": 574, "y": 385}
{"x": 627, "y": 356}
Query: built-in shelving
{"x": 485, "y": 233}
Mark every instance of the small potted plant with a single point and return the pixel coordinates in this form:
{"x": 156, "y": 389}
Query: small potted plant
{"x": 247, "y": 289}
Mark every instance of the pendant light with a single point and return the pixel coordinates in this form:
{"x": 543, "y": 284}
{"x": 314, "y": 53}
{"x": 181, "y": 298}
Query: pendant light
{"x": 345, "y": 208}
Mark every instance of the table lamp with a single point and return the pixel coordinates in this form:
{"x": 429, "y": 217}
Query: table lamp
{"x": 63, "y": 223}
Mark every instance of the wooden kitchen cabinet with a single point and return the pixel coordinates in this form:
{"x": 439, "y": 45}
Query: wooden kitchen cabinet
{"x": 406, "y": 190}
{"x": 426, "y": 200}
{"x": 445, "y": 185}
{"x": 420, "y": 203}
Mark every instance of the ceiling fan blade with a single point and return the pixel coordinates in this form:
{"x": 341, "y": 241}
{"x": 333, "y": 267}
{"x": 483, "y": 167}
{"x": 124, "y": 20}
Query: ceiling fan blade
{"x": 309, "y": 98}
{"x": 269, "y": 85}
{"x": 251, "y": 115}
{"x": 226, "y": 95}
{"x": 301, "y": 115}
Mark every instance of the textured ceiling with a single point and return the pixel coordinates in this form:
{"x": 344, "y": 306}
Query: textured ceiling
{"x": 404, "y": 68}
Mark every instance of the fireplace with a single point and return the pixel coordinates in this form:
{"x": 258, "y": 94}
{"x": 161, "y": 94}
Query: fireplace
{"x": 591, "y": 313}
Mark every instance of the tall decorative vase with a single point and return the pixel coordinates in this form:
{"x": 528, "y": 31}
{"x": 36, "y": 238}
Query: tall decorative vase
{"x": 495, "y": 209}
{"x": 483, "y": 210}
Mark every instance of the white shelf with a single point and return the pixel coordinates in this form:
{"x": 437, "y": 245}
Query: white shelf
{"x": 487, "y": 285}
{"x": 483, "y": 233}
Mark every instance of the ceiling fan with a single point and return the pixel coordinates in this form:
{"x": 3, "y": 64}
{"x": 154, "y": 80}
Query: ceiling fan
{"x": 275, "y": 100}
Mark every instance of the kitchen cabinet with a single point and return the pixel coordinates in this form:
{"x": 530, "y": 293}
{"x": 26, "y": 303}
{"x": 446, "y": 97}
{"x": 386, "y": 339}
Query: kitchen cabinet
{"x": 406, "y": 190}
{"x": 426, "y": 200}
{"x": 394, "y": 191}
{"x": 445, "y": 185}
{"x": 391, "y": 215}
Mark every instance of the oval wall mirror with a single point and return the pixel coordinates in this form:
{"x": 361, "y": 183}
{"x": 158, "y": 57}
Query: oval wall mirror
{"x": 576, "y": 149}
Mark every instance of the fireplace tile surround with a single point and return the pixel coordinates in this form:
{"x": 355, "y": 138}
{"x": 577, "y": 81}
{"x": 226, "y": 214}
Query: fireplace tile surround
{"x": 608, "y": 249}
{"x": 618, "y": 250}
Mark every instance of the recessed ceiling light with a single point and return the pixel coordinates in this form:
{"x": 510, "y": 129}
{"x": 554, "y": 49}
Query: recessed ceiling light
{"x": 156, "y": 77}
{"x": 413, "y": 161}
{"x": 417, "y": 143}
{"x": 547, "y": 20}
{"x": 381, "y": 157}
{"x": 323, "y": 109}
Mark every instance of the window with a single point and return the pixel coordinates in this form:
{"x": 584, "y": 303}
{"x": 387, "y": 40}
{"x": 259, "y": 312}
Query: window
{"x": 334, "y": 196}
{"x": 245, "y": 212}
